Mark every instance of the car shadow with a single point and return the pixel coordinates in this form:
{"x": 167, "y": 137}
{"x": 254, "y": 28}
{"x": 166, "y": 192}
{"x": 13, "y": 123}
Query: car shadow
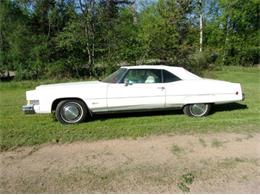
{"x": 103, "y": 117}
{"x": 228, "y": 107}
{"x": 216, "y": 108}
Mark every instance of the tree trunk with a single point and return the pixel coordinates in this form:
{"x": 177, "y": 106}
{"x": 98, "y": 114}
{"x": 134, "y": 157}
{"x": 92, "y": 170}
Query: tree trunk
{"x": 93, "y": 29}
{"x": 133, "y": 6}
{"x": 1, "y": 49}
{"x": 201, "y": 25}
{"x": 226, "y": 40}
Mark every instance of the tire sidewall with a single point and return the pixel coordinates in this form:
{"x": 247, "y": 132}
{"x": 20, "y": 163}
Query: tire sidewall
{"x": 187, "y": 110}
{"x": 60, "y": 106}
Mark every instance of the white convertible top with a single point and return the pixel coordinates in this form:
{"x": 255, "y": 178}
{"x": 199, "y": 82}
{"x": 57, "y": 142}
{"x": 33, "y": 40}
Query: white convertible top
{"x": 178, "y": 71}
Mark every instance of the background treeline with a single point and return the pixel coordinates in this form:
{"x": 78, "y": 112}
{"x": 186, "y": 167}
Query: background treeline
{"x": 74, "y": 38}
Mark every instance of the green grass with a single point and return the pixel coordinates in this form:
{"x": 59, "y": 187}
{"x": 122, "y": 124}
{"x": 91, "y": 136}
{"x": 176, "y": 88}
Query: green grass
{"x": 176, "y": 150}
{"x": 185, "y": 181}
{"x": 18, "y": 129}
{"x": 216, "y": 143}
{"x": 202, "y": 142}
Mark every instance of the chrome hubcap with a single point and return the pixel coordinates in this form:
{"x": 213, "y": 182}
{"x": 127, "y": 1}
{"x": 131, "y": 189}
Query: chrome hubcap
{"x": 71, "y": 112}
{"x": 198, "y": 109}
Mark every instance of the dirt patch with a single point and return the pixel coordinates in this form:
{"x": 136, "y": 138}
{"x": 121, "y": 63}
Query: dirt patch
{"x": 208, "y": 163}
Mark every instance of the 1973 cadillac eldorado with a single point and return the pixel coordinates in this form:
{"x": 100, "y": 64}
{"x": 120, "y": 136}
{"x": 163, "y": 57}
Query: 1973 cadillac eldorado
{"x": 133, "y": 88}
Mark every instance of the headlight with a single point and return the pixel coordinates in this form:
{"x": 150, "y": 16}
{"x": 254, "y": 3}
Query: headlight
{"x": 34, "y": 102}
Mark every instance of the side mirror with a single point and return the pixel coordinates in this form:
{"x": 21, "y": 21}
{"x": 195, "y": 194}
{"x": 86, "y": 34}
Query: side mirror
{"x": 126, "y": 82}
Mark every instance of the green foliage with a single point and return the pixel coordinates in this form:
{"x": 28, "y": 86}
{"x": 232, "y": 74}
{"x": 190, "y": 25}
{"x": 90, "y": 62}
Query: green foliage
{"x": 41, "y": 39}
{"x": 13, "y": 36}
{"x": 129, "y": 46}
{"x": 200, "y": 61}
{"x": 234, "y": 32}
{"x": 164, "y": 29}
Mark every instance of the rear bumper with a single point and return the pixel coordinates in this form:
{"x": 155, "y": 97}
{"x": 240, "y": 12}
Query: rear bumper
{"x": 28, "y": 109}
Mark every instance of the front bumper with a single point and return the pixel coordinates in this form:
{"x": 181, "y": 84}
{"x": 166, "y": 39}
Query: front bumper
{"x": 28, "y": 109}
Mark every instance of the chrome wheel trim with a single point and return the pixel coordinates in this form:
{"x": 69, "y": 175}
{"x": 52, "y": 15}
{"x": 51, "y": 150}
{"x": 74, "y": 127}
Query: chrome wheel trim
{"x": 71, "y": 112}
{"x": 198, "y": 109}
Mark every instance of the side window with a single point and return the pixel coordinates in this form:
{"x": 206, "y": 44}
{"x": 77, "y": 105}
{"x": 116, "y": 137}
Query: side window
{"x": 143, "y": 76}
{"x": 135, "y": 76}
{"x": 169, "y": 77}
{"x": 153, "y": 76}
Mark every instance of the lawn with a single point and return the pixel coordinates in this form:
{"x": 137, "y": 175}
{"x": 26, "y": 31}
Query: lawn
{"x": 18, "y": 129}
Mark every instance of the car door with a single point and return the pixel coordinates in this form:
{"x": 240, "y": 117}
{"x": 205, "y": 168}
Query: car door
{"x": 174, "y": 91}
{"x": 139, "y": 89}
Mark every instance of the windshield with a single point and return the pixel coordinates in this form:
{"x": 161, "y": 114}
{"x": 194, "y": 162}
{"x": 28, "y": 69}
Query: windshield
{"x": 116, "y": 76}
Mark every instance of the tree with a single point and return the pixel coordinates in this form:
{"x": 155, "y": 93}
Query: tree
{"x": 165, "y": 30}
{"x": 201, "y": 25}
{"x": 67, "y": 38}
{"x": 233, "y": 31}
{"x": 13, "y": 34}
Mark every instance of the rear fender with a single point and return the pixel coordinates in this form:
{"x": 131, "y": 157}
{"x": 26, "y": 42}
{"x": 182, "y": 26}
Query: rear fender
{"x": 199, "y": 99}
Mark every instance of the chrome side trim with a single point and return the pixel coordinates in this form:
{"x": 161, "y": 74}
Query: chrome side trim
{"x": 135, "y": 108}
{"x": 174, "y": 95}
{"x": 135, "y": 111}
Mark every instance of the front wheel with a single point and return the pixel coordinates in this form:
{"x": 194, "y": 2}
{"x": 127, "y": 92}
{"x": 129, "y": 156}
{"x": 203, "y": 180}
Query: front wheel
{"x": 71, "y": 111}
{"x": 197, "y": 110}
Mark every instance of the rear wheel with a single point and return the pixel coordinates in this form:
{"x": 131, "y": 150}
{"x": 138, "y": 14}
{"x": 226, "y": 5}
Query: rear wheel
{"x": 197, "y": 110}
{"x": 71, "y": 111}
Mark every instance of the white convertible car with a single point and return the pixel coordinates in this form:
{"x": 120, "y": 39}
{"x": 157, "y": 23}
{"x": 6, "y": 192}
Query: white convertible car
{"x": 133, "y": 88}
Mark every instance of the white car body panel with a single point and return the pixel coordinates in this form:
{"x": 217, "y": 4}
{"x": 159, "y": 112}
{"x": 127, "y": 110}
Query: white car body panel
{"x": 202, "y": 91}
{"x": 136, "y": 96}
{"x": 105, "y": 97}
{"x": 47, "y": 94}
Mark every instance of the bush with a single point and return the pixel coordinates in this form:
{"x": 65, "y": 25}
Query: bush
{"x": 200, "y": 61}
{"x": 249, "y": 56}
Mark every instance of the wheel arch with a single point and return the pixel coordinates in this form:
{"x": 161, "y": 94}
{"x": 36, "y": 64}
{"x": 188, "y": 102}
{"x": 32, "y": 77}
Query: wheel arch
{"x": 196, "y": 99}
{"x": 58, "y": 100}
{"x": 186, "y": 104}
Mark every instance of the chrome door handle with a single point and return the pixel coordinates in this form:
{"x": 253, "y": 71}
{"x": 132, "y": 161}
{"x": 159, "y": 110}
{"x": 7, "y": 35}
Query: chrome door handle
{"x": 162, "y": 88}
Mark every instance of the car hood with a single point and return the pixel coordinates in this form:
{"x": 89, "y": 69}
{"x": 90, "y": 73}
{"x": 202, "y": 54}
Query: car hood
{"x": 71, "y": 85}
